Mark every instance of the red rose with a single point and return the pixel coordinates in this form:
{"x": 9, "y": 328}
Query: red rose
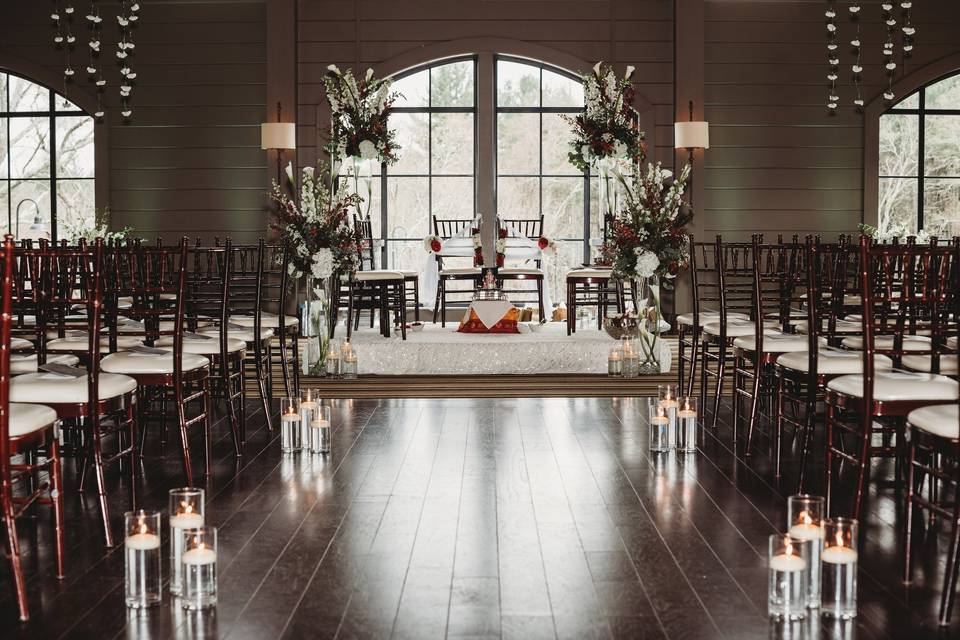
{"x": 435, "y": 245}
{"x": 503, "y": 233}
{"x": 673, "y": 267}
{"x": 500, "y": 258}
{"x": 543, "y": 243}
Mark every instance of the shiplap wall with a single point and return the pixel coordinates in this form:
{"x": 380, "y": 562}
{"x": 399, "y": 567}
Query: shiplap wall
{"x": 362, "y": 33}
{"x": 778, "y": 162}
{"x": 190, "y": 161}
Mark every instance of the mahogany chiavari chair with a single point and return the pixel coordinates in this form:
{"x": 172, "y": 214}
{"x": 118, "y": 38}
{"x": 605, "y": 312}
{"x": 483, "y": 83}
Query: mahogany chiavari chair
{"x": 445, "y": 229}
{"x": 25, "y": 428}
{"x": 706, "y": 294}
{"x": 150, "y": 275}
{"x": 368, "y": 262}
{"x": 592, "y": 287}
{"x": 906, "y": 290}
{"x": 778, "y": 271}
{"x": 94, "y": 404}
{"x": 532, "y": 229}
{"x": 733, "y": 262}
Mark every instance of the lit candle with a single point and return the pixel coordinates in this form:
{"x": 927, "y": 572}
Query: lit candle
{"x": 199, "y": 564}
{"x": 308, "y": 408}
{"x": 333, "y": 361}
{"x": 659, "y": 429}
{"x": 142, "y": 580}
{"x": 200, "y": 555}
{"x": 839, "y": 592}
{"x": 290, "y": 426}
{"x": 805, "y": 522}
{"x": 186, "y": 509}
{"x": 320, "y": 437}
{"x": 788, "y": 561}
{"x": 142, "y": 541}
{"x": 805, "y": 528}
{"x": 687, "y": 426}
{"x": 614, "y": 363}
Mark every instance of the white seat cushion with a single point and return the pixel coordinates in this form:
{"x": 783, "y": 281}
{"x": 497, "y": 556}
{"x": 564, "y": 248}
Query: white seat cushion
{"x": 27, "y": 363}
{"x": 269, "y": 320}
{"x": 910, "y": 343}
{"x": 833, "y": 362}
{"x": 204, "y": 347}
{"x": 28, "y": 418}
{"x": 899, "y": 385}
{"x": 81, "y": 343}
{"x": 948, "y": 363}
{"x": 20, "y": 344}
{"x": 44, "y": 387}
{"x": 777, "y": 343}
{"x": 737, "y": 327}
{"x": 239, "y": 334}
{"x": 465, "y": 271}
{"x": 590, "y": 273}
{"x": 520, "y": 271}
{"x": 939, "y": 419}
{"x": 849, "y": 300}
{"x": 843, "y": 326}
{"x": 378, "y": 275}
{"x": 707, "y": 316}
{"x": 133, "y": 363}
{"x": 952, "y": 342}
{"x": 410, "y": 274}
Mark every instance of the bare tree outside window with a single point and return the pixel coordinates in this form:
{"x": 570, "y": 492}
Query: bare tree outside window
{"x": 46, "y": 159}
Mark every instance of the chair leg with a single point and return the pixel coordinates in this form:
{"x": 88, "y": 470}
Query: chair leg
{"x": 754, "y": 402}
{"x": 810, "y": 422}
{"x": 864, "y": 460}
{"x": 436, "y": 303}
{"x": 828, "y": 459}
{"x": 416, "y": 300}
{"x": 97, "y": 455}
{"x": 778, "y": 430}
{"x": 737, "y": 400}
{"x": 681, "y": 353}
{"x": 948, "y": 596}
{"x": 721, "y": 371}
{"x": 296, "y": 362}
{"x": 206, "y": 427}
{"x": 262, "y": 385}
{"x": 540, "y": 308}
{"x": 283, "y": 362}
{"x": 13, "y": 551}
{"x": 443, "y": 304}
{"x": 694, "y": 346}
{"x": 184, "y": 441}
{"x": 224, "y": 370}
{"x": 908, "y": 514}
{"x": 56, "y": 497}
{"x": 132, "y": 429}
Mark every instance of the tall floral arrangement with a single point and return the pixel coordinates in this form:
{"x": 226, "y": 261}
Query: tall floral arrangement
{"x": 75, "y": 229}
{"x": 317, "y": 225}
{"x": 608, "y": 129}
{"x": 648, "y": 234}
{"x": 360, "y": 112}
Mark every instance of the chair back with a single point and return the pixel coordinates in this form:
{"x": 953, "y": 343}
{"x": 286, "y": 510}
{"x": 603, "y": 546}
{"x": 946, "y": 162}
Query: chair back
{"x": 208, "y": 287}
{"x": 733, "y": 268}
{"x": 447, "y": 227}
{"x": 6, "y": 322}
{"x": 367, "y": 253}
{"x": 778, "y": 269}
{"x": 258, "y": 282}
{"x": 531, "y": 228}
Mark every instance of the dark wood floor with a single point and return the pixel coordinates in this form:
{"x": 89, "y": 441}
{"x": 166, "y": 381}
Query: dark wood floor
{"x": 514, "y": 518}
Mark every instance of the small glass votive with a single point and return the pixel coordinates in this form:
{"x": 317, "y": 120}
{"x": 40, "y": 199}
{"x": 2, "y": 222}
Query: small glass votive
{"x": 686, "y": 427}
{"x": 631, "y": 359}
{"x": 348, "y": 361}
{"x": 839, "y": 590}
{"x": 186, "y": 512}
{"x": 670, "y": 402}
{"x": 789, "y": 579}
{"x": 615, "y": 363}
{"x": 142, "y": 578}
{"x": 199, "y": 568}
{"x": 320, "y": 430}
{"x": 805, "y": 523}
{"x": 308, "y": 408}
{"x": 290, "y": 425}
{"x": 333, "y": 360}
{"x": 659, "y": 426}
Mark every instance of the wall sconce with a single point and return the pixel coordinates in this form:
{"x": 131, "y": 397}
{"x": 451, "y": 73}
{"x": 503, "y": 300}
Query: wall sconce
{"x": 691, "y": 135}
{"x": 278, "y": 136}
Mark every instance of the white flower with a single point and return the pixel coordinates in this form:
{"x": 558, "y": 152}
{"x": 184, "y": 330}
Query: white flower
{"x": 289, "y": 171}
{"x": 369, "y": 73}
{"x": 368, "y": 150}
{"x": 620, "y": 149}
{"x": 630, "y": 70}
{"x": 308, "y": 172}
{"x": 647, "y": 263}
{"x": 501, "y": 245}
{"x": 585, "y": 151}
{"x": 333, "y": 68}
{"x": 596, "y": 67}
{"x": 322, "y": 264}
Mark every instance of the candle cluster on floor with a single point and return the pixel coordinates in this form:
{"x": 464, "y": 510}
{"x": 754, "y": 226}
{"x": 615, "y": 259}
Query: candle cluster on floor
{"x": 305, "y": 424}
{"x": 673, "y": 421}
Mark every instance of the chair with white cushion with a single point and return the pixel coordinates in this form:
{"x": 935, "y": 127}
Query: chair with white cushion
{"x": 171, "y": 374}
{"x": 91, "y": 403}
{"x": 592, "y": 287}
{"x": 368, "y": 262}
{"x": 899, "y": 284}
{"x": 29, "y": 431}
{"x": 446, "y": 229}
{"x": 381, "y": 290}
{"x": 532, "y": 229}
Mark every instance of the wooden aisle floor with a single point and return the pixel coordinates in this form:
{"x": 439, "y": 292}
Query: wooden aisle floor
{"x": 513, "y": 518}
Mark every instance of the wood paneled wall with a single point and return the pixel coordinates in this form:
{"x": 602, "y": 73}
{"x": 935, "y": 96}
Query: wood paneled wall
{"x": 363, "y": 33}
{"x": 778, "y": 162}
{"x": 190, "y": 161}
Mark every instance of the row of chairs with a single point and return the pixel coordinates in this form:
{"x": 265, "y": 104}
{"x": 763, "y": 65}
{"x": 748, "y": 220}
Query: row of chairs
{"x": 866, "y": 329}
{"x": 103, "y": 342}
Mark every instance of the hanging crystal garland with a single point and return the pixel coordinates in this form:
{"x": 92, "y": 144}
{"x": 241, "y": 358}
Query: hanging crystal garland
{"x": 909, "y": 31}
{"x": 126, "y": 18}
{"x": 62, "y": 18}
{"x": 889, "y": 63}
{"x": 857, "y": 49}
{"x": 833, "y": 58}
{"x": 94, "y": 69}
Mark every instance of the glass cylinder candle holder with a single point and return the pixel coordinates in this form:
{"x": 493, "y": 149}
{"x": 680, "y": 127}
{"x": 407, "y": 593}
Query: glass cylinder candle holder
{"x": 186, "y": 512}
{"x": 308, "y": 407}
{"x": 199, "y": 568}
{"x": 320, "y": 430}
{"x": 631, "y": 359}
{"x": 142, "y": 578}
{"x": 686, "y": 426}
{"x": 670, "y": 403}
{"x": 290, "y": 425}
{"x": 659, "y": 427}
{"x": 789, "y": 579}
{"x": 333, "y": 360}
{"x": 615, "y": 363}
{"x": 348, "y": 361}
{"x": 805, "y": 523}
{"x": 839, "y": 568}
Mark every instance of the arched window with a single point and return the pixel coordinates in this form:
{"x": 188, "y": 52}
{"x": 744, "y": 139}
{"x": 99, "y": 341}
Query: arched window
{"x": 919, "y": 166}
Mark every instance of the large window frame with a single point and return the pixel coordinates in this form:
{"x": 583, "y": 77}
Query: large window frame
{"x": 52, "y": 113}
{"x": 921, "y": 111}
{"x": 385, "y": 238}
{"x": 540, "y": 111}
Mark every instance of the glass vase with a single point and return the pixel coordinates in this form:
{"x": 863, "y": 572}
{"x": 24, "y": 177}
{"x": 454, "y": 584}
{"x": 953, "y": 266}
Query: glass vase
{"x": 315, "y": 323}
{"x": 648, "y": 338}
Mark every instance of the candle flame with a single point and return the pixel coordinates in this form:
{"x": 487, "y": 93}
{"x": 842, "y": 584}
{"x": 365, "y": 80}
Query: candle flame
{"x": 839, "y": 537}
{"x": 141, "y": 526}
{"x": 686, "y": 405}
{"x": 186, "y": 507}
{"x": 661, "y": 413}
{"x": 805, "y": 518}
{"x": 788, "y": 546}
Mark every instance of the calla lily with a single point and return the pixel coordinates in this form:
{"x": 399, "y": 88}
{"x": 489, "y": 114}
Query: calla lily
{"x": 333, "y": 68}
{"x": 596, "y": 67}
{"x": 630, "y": 70}
{"x": 289, "y": 172}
